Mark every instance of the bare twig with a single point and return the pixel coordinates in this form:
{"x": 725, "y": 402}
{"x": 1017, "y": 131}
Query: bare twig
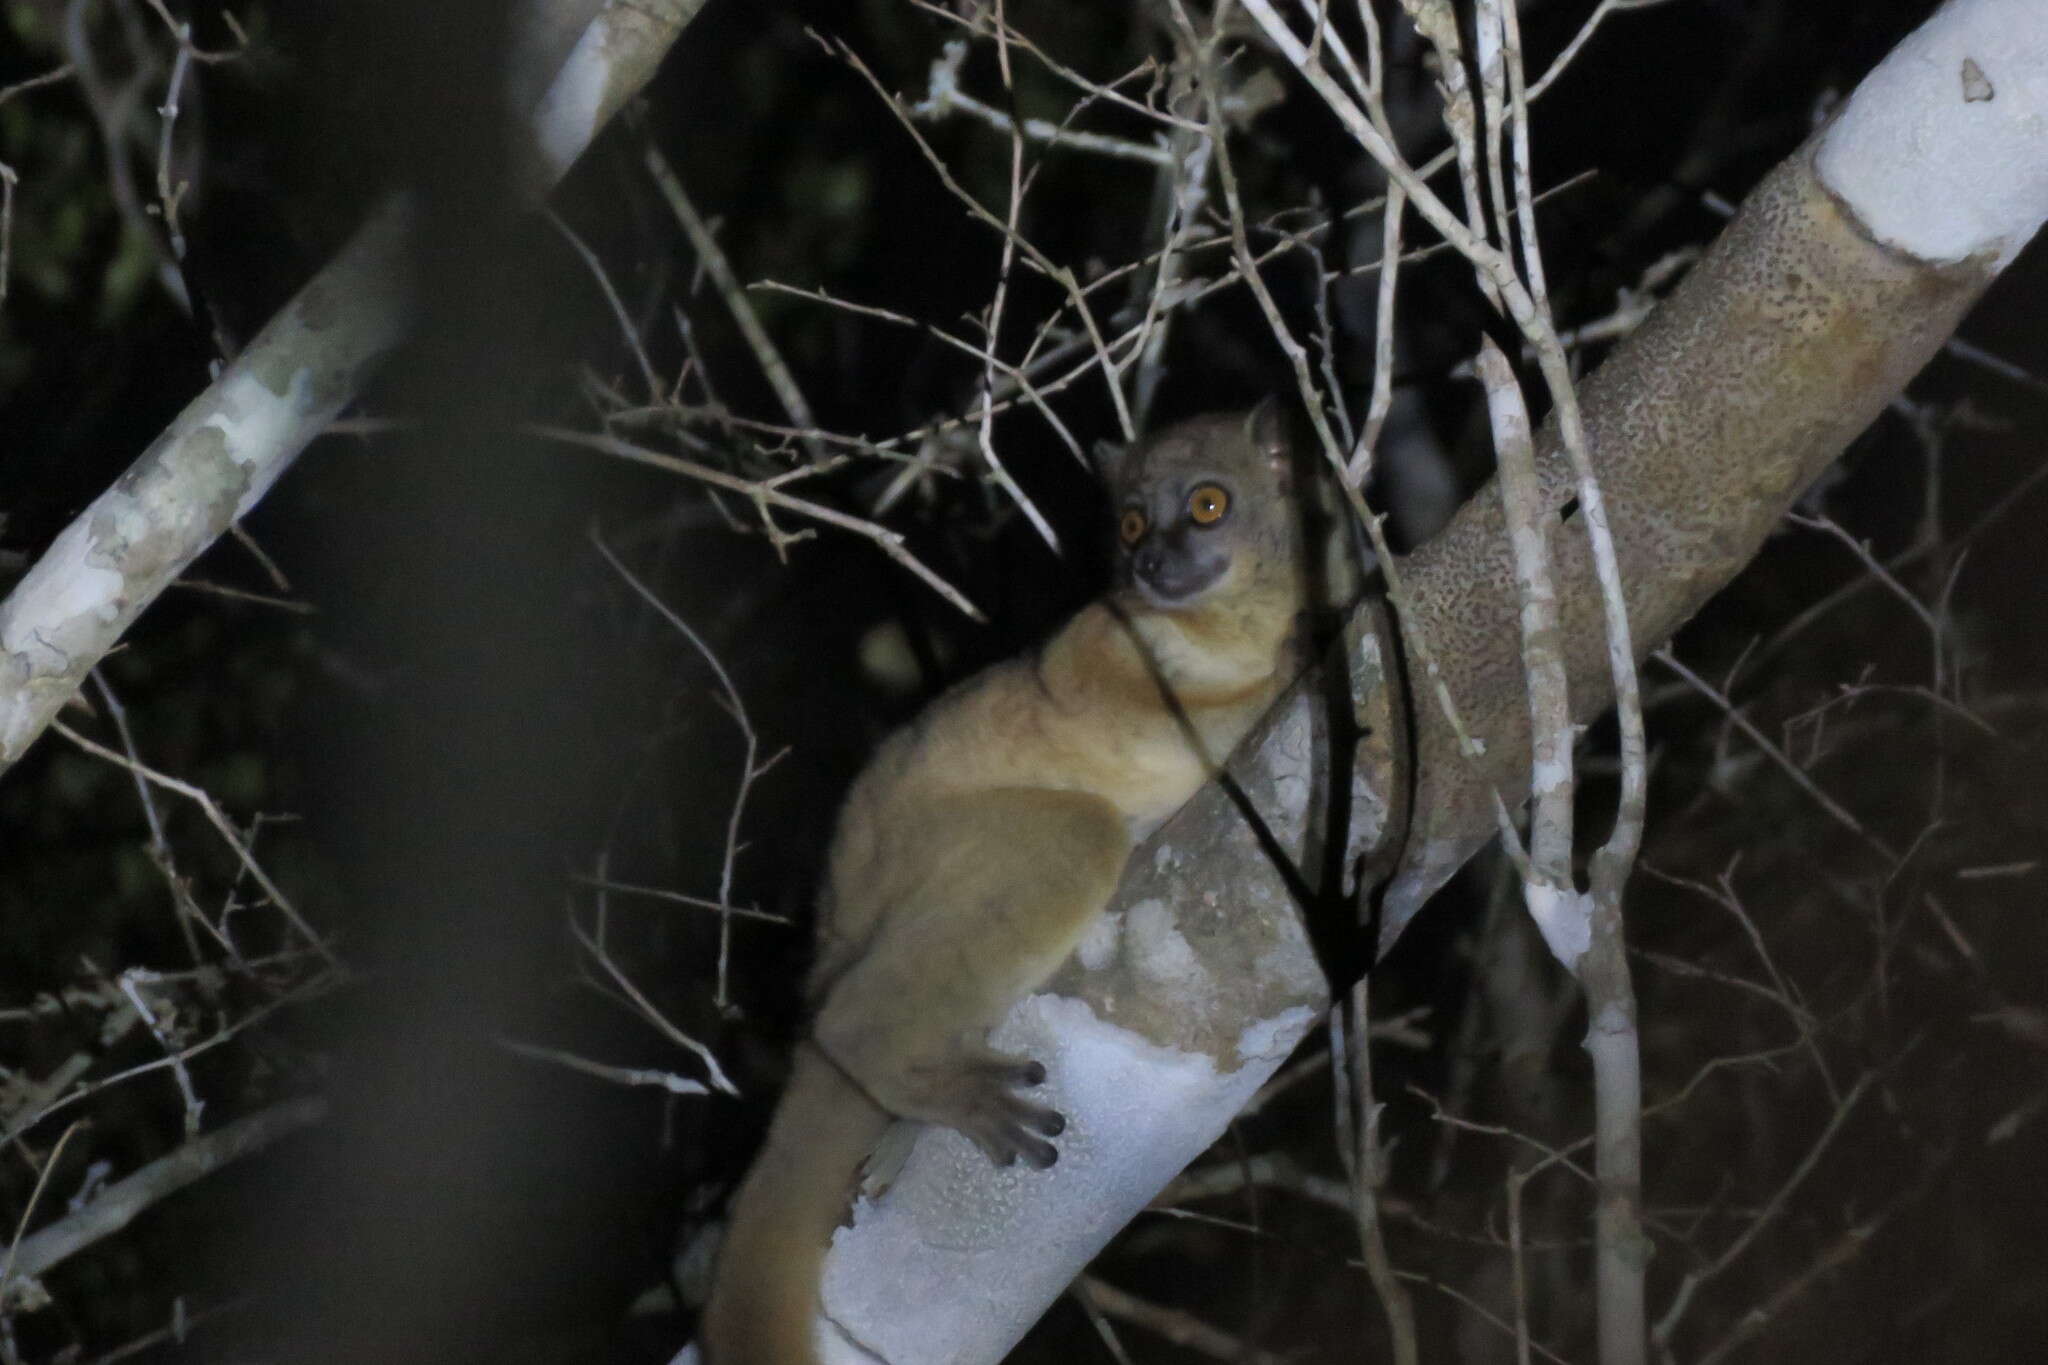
{"x": 177, "y": 1330}
{"x": 1171, "y": 1324}
{"x": 1777, "y": 755}
{"x": 113, "y": 108}
{"x": 1051, "y": 269}
{"x": 697, "y": 902}
{"x": 1564, "y": 59}
{"x": 36, "y": 82}
{"x": 8, "y": 177}
{"x": 980, "y": 20}
{"x": 233, "y": 594}
{"x": 1480, "y": 1311}
{"x": 120, "y": 1203}
{"x": 1547, "y": 869}
{"x": 204, "y": 800}
{"x": 993, "y": 328}
{"x": 1682, "y": 1299}
{"x": 167, "y": 194}
{"x": 183, "y": 907}
{"x": 1359, "y": 468}
{"x": 131, "y": 982}
{"x": 991, "y": 405}
{"x": 1365, "y": 1163}
{"x": 16, "y": 1256}
{"x": 751, "y": 765}
{"x": 646, "y": 1010}
{"x": 765, "y": 493}
{"x": 34, "y": 1114}
{"x": 182, "y": 32}
{"x": 612, "y": 300}
{"x": 715, "y": 265}
{"x": 944, "y": 96}
{"x": 618, "y": 1075}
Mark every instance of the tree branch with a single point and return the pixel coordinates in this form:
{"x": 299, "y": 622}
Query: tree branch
{"x": 220, "y": 455}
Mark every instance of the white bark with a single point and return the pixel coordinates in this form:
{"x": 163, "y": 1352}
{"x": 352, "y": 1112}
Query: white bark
{"x": 1137, "y": 1114}
{"x": 1941, "y": 153}
{"x": 224, "y": 451}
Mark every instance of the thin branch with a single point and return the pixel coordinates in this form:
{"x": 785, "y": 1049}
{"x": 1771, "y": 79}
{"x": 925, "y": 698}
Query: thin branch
{"x": 1777, "y": 755}
{"x": 943, "y": 96}
{"x": 182, "y": 32}
{"x": 1681, "y": 1300}
{"x": 644, "y": 1007}
{"x": 765, "y": 493}
{"x": 613, "y": 301}
{"x": 990, "y": 406}
{"x": 618, "y": 1075}
{"x": 1172, "y": 1325}
{"x": 750, "y": 766}
{"x": 712, "y": 258}
{"x": 122, "y": 1202}
{"x": 168, "y": 195}
{"x": 204, "y": 800}
{"x": 15, "y": 1256}
{"x": 130, "y": 983}
{"x": 679, "y": 898}
{"x": 1365, "y": 1163}
{"x": 1053, "y": 271}
{"x": 30, "y": 1117}
{"x": 993, "y": 328}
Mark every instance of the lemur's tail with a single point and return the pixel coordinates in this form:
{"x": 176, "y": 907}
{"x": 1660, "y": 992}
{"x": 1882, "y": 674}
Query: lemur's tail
{"x": 764, "y": 1298}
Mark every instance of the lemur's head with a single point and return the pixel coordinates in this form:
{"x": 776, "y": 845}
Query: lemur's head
{"x": 1208, "y": 507}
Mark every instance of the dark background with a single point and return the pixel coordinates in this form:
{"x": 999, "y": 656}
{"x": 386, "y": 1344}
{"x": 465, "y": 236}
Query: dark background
{"x": 475, "y": 707}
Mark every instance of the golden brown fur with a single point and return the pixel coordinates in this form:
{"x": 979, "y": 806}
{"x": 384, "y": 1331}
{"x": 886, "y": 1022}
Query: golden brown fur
{"x": 983, "y": 838}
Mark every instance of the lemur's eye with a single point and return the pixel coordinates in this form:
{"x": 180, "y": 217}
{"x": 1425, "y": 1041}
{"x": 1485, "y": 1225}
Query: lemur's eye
{"x": 1207, "y": 504}
{"x": 1131, "y": 526}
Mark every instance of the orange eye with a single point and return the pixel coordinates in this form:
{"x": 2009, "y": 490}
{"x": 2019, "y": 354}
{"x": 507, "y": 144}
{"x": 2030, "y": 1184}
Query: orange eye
{"x": 1131, "y": 526}
{"x": 1207, "y": 504}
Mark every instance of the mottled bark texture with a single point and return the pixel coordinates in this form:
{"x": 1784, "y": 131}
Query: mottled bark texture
{"x": 1785, "y": 341}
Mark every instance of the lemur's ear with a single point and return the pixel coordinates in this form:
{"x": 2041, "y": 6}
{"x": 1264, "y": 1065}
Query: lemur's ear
{"x": 1266, "y": 428}
{"x": 1109, "y": 458}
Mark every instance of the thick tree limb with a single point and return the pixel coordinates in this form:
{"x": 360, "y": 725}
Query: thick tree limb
{"x": 223, "y": 452}
{"x": 1787, "y": 339}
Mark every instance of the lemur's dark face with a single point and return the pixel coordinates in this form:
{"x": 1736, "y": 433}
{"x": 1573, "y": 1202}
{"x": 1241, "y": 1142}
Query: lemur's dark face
{"x": 1201, "y": 504}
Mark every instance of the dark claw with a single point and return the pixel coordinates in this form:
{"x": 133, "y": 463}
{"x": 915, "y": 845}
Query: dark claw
{"x": 984, "y": 1105}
